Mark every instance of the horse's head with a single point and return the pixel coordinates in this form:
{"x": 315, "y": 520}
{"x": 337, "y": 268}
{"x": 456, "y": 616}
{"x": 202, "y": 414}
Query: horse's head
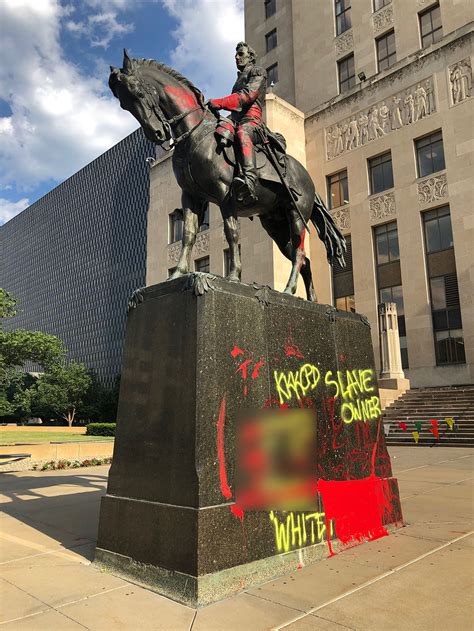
{"x": 140, "y": 99}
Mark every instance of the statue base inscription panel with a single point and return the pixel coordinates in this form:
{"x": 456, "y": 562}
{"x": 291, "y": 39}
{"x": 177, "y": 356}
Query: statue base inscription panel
{"x": 249, "y": 440}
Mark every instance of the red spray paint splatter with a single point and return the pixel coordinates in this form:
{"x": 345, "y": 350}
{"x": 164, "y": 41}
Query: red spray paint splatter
{"x": 236, "y": 351}
{"x": 226, "y": 492}
{"x": 291, "y": 350}
{"x": 243, "y": 368}
{"x": 403, "y": 426}
{"x": 255, "y": 372}
{"x": 238, "y": 512}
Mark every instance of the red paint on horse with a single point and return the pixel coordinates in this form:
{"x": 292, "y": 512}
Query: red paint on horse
{"x": 225, "y": 489}
{"x": 183, "y": 97}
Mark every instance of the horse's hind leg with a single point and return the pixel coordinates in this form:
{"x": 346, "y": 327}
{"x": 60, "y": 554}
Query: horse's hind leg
{"x": 280, "y": 233}
{"x": 232, "y": 233}
{"x": 191, "y": 224}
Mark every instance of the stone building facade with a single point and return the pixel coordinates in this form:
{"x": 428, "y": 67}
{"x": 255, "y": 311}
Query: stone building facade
{"x": 375, "y": 98}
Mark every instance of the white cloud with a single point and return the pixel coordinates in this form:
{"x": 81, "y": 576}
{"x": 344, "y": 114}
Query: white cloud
{"x": 9, "y": 209}
{"x": 207, "y": 34}
{"x": 99, "y": 28}
{"x": 60, "y": 119}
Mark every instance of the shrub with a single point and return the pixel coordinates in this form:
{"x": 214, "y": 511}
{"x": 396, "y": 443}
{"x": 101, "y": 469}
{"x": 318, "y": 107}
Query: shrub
{"x": 101, "y": 429}
{"x": 75, "y": 464}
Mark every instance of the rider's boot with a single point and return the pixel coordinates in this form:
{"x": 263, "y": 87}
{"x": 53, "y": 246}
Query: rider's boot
{"x": 245, "y": 185}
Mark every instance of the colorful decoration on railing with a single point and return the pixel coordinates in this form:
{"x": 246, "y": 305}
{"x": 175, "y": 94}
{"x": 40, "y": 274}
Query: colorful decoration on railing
{"x": 434, "y": 429}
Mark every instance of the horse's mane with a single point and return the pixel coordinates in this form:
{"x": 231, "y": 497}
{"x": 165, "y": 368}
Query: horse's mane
{"x": 173, "y": 73}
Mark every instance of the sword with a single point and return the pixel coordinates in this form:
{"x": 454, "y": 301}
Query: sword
{"x": 277, "y": 168}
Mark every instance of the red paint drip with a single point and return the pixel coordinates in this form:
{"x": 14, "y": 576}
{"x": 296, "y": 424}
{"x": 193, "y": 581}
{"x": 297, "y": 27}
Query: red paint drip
{"x": 238, "y": 512}
{"x": 255, "y": 372}
{"x": 226, "y": 492}
{"x": 236, "y": 351}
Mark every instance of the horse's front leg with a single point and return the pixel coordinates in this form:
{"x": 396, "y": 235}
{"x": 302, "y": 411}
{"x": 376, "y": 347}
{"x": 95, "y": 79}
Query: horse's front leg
{"x": 190, "y": 229}
{"x": 298, "y": 233}
{"x": 232, "y": 233}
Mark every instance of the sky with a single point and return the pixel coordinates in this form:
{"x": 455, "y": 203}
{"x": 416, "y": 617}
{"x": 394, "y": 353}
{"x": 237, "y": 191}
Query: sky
{"x": 56, "y": 110}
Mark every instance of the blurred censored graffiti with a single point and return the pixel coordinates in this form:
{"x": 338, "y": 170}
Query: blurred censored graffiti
{"x": 312, "y": 455}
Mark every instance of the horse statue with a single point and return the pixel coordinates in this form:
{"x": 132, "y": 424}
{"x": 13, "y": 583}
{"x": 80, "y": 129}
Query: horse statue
{"x": 171, "y": 110}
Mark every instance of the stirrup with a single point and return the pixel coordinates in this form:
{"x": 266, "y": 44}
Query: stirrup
{"x": 242, "y": 191}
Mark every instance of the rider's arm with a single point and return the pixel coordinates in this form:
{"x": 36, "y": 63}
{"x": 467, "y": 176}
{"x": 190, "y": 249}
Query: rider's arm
{"x": 246, "y": 96}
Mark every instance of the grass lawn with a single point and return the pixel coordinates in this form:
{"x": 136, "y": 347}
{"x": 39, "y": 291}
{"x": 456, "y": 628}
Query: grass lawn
{"x": 35, "y": 436}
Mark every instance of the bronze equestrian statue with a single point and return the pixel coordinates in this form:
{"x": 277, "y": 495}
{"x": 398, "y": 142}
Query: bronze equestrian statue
{"x": 258, "y": 178}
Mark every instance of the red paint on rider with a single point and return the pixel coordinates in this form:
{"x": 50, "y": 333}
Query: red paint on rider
{"x": 225, "y": 489}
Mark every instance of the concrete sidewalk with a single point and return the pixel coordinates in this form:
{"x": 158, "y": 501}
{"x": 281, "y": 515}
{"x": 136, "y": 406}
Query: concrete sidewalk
{"x": 419, "y": 578}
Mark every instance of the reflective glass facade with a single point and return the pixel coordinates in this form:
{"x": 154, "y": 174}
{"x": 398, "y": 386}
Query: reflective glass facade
{"x": 74, "y": 257}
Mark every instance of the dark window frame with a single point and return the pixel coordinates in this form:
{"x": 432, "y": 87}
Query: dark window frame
{"x": 333, "y": 180}
{"x": 205, "y": 224}
{"x": 349, "y": 82}
{"x": 384, "y": 58}
{"x": 385, "y": 230}
{"x": 426, "y": 219}
{"x": 175, "y": 234}
{"x": 381, "y": 3}
{"x": 273, "y": 69}
{"x": 270, "y": 8}
{"x": 427, "y": 141}
{"x": 429, "y": 34}
{"x": 374, "y": 163}
{"x": 203, "y": 258}
{"x": 271, "y": 40}
{"x": 343, "y": 16}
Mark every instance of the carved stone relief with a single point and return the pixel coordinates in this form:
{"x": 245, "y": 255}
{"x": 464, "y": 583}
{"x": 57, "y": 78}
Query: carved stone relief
{"x": 432, "y": 189}
{"x": 202, "y": 243}
{"x": 344, "y": 42}
{"x": 403, "y": 108}
{"x": 383, "y": 18}
{"x": 460, "y": 79}
{"x": 342, "y": 218}
{"x": 382, "y": 206}
{"x": 174, "y": 251}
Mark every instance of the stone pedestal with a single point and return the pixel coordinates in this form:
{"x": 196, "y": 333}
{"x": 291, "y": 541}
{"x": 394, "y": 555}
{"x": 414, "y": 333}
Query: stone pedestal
{"x": 199, "y": 353}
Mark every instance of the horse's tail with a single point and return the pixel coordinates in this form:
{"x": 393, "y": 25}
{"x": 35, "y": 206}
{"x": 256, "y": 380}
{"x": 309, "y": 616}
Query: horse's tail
{"x": 328, "y": 232}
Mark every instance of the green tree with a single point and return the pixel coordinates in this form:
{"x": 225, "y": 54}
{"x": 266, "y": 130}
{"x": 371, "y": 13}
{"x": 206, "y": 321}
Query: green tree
{"x": 16, "y": 348}
{"x": 62, "y": 389}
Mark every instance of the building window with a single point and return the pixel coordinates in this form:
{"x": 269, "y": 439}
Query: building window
{"x": 431, "y": 29}
{"x": 346, "y": 303}
{"x": 205, "y": 220}
{"x": 386, "y": 54}
{"x": 343, "y": 281}
{"x": 271, "y": 40}
{"x": 270, "y": 8}
{"x": 338, "y": 191}
{"x": 380, "y": 172}
{"x": 346, "y": 72}
{"x": 438, "y": 231}
{"x": 175, "y": 226}
{"x": 444, "y": 292}
{"x": 227, "y": 261}
{"x": 430, "y": 154}
{"x": 395, "y": 294}
{"x": 386, "y": 243}
{"x": 379, "y": 4}
{"x": 272, "y": 74}
{"x": 343, "y": 16}
{"x": 202, "y": 265}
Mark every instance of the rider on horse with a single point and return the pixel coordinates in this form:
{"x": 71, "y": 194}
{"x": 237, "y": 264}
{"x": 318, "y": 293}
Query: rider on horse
{"x": 246, "y": 104}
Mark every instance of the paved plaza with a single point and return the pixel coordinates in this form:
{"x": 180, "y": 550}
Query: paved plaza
{"x": 419, "y": 578}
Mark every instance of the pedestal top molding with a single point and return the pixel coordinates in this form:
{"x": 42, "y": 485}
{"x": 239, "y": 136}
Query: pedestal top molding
{"x": 403, "y": 108}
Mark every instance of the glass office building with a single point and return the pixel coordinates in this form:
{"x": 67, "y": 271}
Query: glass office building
{"x": 73, "y": 258}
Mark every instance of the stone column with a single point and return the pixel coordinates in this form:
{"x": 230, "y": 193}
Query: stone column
{"x": 392, "y": 377}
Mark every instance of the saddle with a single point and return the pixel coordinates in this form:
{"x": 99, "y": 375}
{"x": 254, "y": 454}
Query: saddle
{"x": 225, "y": 132}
